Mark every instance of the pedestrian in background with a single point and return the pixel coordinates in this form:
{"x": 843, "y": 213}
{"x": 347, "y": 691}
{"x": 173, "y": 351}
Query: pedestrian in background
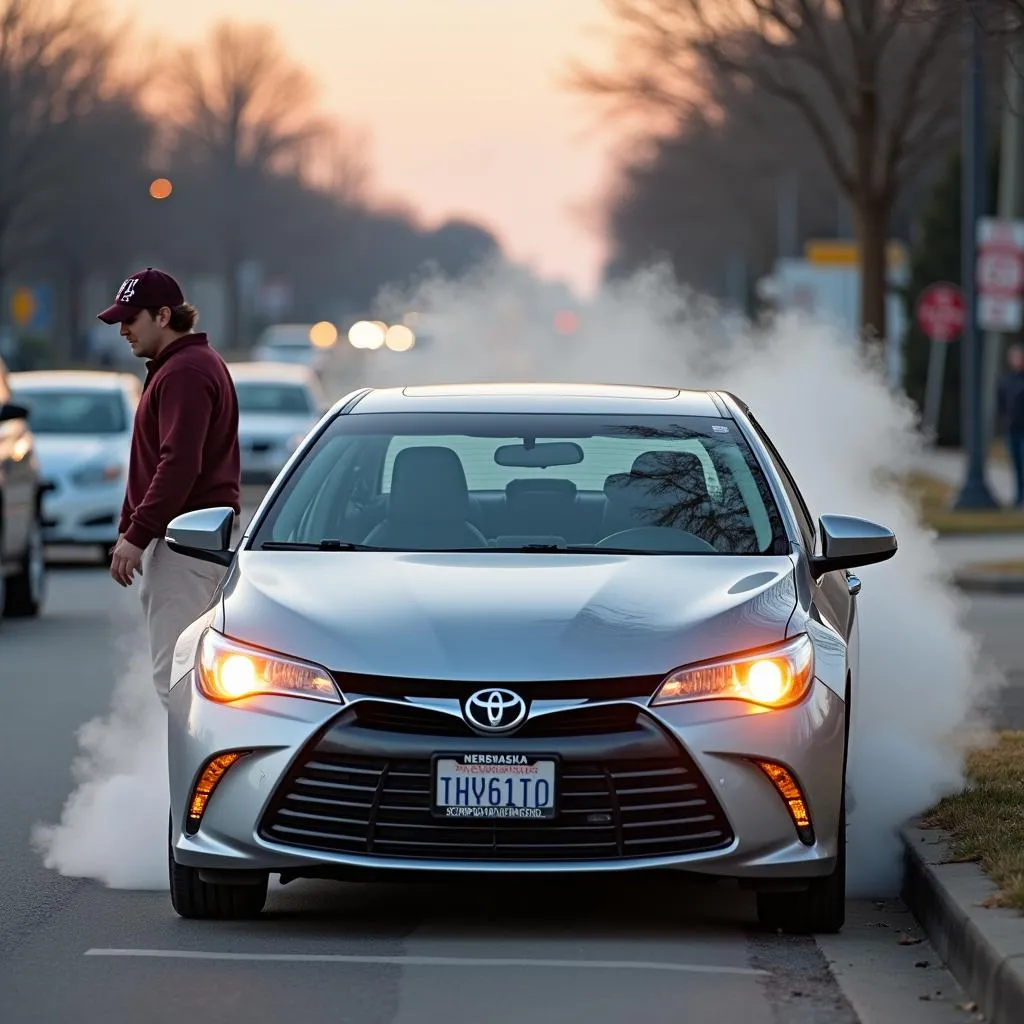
{"x": 184, "y": 456}
{"x": 1011, "y": 414}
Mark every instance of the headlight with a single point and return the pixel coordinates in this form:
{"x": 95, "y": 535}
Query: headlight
{"x": 97, "y": 474}
{"x": 227, "y": 670}
{"x": 775, "y": 677}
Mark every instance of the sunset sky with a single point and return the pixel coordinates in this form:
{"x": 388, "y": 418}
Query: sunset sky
{"x": 462, "y": 101}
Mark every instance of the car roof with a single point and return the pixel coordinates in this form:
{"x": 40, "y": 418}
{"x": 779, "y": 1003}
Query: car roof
{"x": 292, "y": 373}
{"x": 543, "y": 398}
{"x": 99, "y": 380}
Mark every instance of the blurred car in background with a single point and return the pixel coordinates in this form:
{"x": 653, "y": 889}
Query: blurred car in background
{"x": 290, "y": 343}
{"x": 278, "y": 404}
{"x": 22, "y": 565}
{"x": 82, "y": 420}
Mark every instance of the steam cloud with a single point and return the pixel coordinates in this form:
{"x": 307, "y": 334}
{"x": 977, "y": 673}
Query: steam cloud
{"x": 845, "y": 435}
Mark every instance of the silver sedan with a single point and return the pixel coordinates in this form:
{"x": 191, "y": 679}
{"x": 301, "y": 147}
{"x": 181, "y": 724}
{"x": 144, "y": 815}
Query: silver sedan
{"x": 525, "y": 629}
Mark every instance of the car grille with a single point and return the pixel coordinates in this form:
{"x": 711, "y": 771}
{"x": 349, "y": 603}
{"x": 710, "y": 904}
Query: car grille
{"x": 622, "y": 806}
{"x": 408, "y": 718}
{"x": 615, "y": 688}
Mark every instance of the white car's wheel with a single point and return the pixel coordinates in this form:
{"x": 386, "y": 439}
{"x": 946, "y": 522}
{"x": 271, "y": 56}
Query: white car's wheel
{"x": 26, "y": 590}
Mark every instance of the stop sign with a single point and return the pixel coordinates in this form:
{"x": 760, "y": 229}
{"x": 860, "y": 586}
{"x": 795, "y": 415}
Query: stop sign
{"x": 940, "y": 311}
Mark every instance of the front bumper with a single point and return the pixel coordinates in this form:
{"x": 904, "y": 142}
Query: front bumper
{"x": 746, "y": 829}
{"x": 81, "y": 515}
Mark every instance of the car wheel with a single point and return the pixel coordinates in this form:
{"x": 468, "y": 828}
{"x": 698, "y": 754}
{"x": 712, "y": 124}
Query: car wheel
{"x": 26, "y": 590}
{"x": 191, "y": 897}
{"x": 818, "y": 909}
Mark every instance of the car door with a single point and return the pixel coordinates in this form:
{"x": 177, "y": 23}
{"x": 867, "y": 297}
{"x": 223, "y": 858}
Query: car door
{"x": 17, "y": 479}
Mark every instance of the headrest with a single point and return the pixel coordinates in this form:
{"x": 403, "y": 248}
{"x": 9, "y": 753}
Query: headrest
{"x": 659, "y": 471}
{"x": 559, "y": 488}
{"x": 429, "y": 480}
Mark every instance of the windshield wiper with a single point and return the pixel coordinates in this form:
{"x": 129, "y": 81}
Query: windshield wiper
{"x": 323, "y": 545}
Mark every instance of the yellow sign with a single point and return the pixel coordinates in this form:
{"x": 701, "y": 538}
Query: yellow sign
{"x": 23, "y": 306}
{"x": 840, "y": 252}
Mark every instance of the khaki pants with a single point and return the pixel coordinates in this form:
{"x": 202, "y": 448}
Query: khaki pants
{"x": 174, "y": 590}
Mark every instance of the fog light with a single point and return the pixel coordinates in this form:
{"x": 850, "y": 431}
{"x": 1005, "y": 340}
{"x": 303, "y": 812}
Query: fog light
{"x": 203, "y": 790}
{"x": 786, "y": 785}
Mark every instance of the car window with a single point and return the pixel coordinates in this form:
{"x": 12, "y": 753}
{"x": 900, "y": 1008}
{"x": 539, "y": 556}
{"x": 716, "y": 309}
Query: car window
{"x": 805, "y": 521}
{"x": 655, "y": 484}
{"x": 271, "y": 397}
{"x": 75, "y": 412}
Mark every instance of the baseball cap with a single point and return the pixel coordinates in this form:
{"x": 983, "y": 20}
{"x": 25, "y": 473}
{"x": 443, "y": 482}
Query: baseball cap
{"x": 148, "y": 289}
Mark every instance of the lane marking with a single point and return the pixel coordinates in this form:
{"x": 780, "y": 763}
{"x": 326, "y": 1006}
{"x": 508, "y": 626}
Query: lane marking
{"x": 426, "y": 961}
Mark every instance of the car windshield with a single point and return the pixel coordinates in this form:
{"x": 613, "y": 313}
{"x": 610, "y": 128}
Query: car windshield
{"x": 70, "y": 411}
{"x": 271, "y": 397}
{"x": 556, "y": 483}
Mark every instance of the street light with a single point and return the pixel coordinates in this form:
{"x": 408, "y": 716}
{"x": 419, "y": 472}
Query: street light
{"x": 160, "y": 188}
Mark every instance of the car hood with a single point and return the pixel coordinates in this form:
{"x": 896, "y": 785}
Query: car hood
{"x": 61, "y": 453}
{"x": 506, "y": 617}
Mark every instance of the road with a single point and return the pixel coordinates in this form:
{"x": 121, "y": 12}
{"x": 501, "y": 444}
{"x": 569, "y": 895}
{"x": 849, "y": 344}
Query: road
{"x": 72, "y": 949}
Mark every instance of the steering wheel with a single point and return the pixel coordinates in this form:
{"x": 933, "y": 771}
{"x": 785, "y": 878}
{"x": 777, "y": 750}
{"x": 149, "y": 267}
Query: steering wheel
{"x": 657, "y": 538}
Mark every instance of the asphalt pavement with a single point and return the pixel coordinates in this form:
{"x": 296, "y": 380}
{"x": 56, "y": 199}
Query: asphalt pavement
{"x": 72, "y": 949}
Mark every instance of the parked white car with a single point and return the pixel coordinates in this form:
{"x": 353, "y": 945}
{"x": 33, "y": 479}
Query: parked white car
{"x": 278, "y": 404}
{"x": 82, "y": 422}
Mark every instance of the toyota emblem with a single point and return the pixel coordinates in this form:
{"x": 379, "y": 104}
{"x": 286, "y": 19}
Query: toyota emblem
{"x": 495, "y": 710}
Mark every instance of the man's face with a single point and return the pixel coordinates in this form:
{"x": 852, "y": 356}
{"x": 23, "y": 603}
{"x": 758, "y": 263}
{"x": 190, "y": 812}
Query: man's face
{"x": 1015, "y": 357}
{"x": 144, "y": 333}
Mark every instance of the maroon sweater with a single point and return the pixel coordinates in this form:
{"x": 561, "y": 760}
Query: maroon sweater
{"x": 184, "y": 452}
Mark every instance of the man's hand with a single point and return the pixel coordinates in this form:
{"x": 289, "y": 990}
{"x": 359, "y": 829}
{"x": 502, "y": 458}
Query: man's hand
{"x": 125, "y": 559}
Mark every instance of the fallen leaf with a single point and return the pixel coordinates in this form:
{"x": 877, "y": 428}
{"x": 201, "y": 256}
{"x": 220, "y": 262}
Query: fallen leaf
{"x": 906, "y": 940}
{"x": 969, "y": 1007}
{"x": 921, "y": 963}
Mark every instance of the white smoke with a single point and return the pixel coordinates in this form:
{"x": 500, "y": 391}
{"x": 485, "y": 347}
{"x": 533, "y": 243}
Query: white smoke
{"x": 842, "y": 431}
{"x": 113, "y": 827}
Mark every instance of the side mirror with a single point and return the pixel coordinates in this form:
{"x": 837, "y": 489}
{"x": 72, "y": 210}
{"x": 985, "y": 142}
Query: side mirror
{"x": 847, "y": 542}
{"x": 11, "y": 411}
{"x": 203, "y": 534}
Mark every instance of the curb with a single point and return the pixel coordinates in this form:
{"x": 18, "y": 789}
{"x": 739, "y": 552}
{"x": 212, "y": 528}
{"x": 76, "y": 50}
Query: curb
{"x": 983, "y": 948}
{"x": 990, "y": 583}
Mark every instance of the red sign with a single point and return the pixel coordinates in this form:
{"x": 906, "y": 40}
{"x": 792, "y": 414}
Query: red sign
{"x": 940, "y": 311}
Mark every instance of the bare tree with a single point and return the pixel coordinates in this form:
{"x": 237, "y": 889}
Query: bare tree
{"x": 877, "y": 90}
{"x": 55, "y": 67}
{"x": 240, "y": 110}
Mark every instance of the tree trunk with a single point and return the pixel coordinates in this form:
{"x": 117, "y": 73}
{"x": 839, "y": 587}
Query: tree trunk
{"x": 872, "y": 227}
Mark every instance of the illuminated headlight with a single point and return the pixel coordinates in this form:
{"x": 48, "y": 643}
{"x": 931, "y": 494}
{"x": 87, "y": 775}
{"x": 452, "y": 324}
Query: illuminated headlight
{"x": 97, "y": 474}
{"x": 774, "y": 677}
{"x": 227, "y": 671}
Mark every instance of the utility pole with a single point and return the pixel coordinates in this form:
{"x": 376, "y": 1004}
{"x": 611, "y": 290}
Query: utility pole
{"x": 1011, "y": 196}
{"x": 974, "y": 492}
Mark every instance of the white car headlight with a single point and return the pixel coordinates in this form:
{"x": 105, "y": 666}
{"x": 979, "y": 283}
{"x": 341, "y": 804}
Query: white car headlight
{"x": 774, "y": 677}
{"x": 98, "y": 474}
{"x": 227, "y": 670}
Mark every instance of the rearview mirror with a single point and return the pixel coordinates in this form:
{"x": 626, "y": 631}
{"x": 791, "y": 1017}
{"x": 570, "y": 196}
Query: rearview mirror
{"x": 203, "y": 534}
{"x": 847, "y": 542}
{"x": 12, "y": 411}
{"x": 539, "y": 456}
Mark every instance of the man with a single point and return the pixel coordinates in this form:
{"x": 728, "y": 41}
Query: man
{"x": 1011, "y": 415}
{"x": 184, "y": 456}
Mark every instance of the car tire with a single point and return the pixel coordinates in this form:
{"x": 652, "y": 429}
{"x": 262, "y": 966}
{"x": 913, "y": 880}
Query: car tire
{"x": 193, "y": 898}
{"x": 819, "y": 909}
{"x": 26, "y": 589}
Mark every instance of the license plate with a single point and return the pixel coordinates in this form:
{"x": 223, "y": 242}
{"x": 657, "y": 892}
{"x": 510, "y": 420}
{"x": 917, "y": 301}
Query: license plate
{"x": 494, "y": 786}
